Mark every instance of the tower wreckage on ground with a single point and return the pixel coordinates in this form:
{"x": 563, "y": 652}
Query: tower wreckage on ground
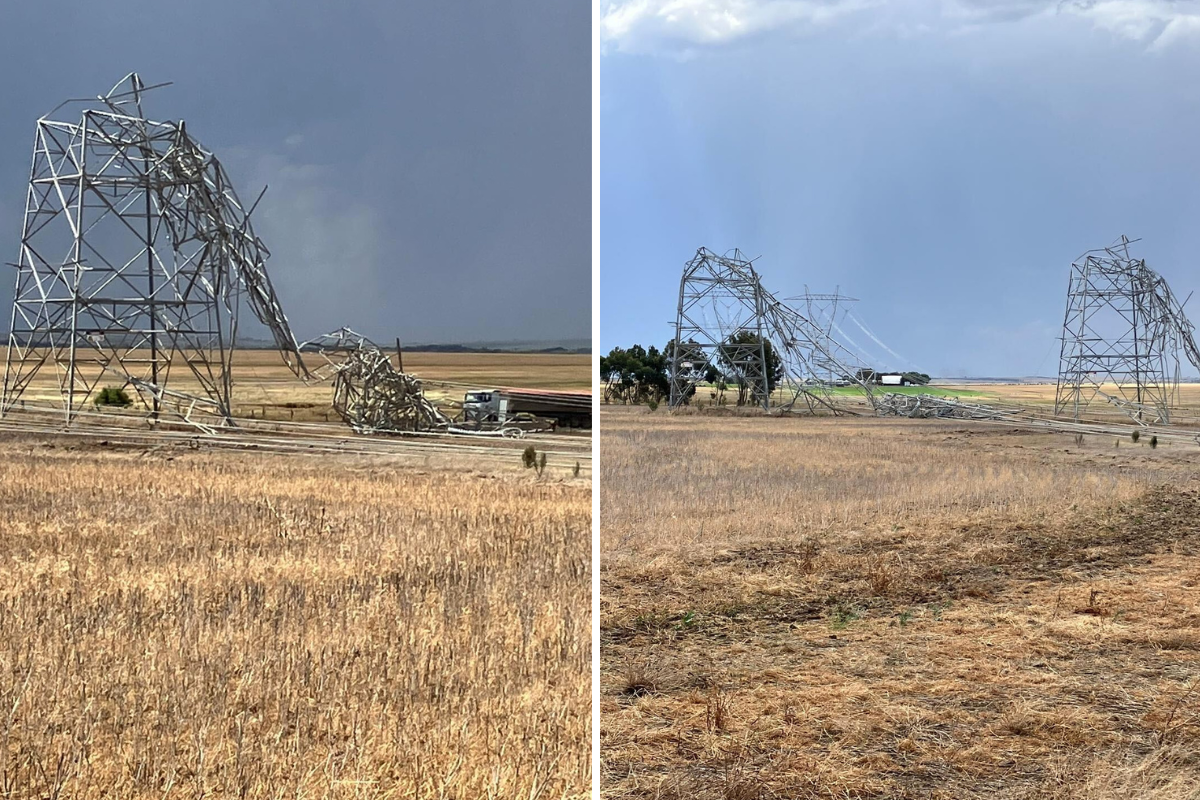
{"x": 1125, "y": 342}
{"x": 369, "y": 394}
{"x": 136, "y": 258}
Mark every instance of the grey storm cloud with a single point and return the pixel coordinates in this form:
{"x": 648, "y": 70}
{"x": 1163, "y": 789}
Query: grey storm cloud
{"x": 428, "y": 163}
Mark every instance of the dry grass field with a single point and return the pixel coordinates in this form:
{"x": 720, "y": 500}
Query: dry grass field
{"x": 1040, "y": 397}
{"x": 263, "y": 385}
{"x": 867, "y": 608}
{"x": 183, "y": 623}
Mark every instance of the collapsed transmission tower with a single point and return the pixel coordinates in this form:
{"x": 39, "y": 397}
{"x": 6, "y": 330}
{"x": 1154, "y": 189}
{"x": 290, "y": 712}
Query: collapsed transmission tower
{"x": 719, "y": 324}
{"x": 369, "y": 394}
{"x": 728, "y": 323}
{"x": 135, "y": 256}
{"x": 1125, "y": 339}
{"x": 832, "y": 314}
{"x": 822, "y": 311}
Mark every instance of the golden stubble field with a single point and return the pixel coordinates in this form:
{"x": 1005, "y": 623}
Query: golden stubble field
{"x": 190, "y": 623}
{"x": 264, "y": 386}
{"x": 866, "y": 608}
{"x": 1040, "y": 397}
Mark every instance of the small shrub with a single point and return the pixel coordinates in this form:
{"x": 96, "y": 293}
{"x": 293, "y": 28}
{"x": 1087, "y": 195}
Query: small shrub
{"x": 716, "y": 712}
{"x": 541, "y": 464}
{"x": 638, "y": 681}
{"x": 652, "y": 405}
{"x": 842, "y": 615}
{"x": 879, "y": 575}
{"x": 529, "y": 457}
{"x": 1153, "y": 442}
{"x": 1135, "y": 435}
{"x": 112, "y": 396}
{"x": 575, "y": 472}
{"x": 810, "y": 549}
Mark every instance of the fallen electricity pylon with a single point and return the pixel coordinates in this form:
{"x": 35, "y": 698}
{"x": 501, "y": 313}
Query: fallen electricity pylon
{"x": 369, "y": 394}
{"x": 136, "y": 254}
{"x": 372, "y": 396}
{"x": 728, "y": 326}
{"x": 927, "y": 406}
{"x": 1125, "y": 339}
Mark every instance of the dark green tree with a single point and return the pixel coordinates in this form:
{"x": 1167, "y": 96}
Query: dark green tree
{"x": 634, "y": 375}
{"x": 695, "y": 366}
{"x": 744, "y": 346}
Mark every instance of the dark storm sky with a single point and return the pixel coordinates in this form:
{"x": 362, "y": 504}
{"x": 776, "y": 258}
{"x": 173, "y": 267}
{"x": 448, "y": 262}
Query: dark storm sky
{"x": 428, "y": 162}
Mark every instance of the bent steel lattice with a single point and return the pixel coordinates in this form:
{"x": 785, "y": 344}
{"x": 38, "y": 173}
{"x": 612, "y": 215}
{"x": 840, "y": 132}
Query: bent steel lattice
{"x": 727, "y": 323}
{"x": 1125, "y": 339}
{"x": 136, "y": 255}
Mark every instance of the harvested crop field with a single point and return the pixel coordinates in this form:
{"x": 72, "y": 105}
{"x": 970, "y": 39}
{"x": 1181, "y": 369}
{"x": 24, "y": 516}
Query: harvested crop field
{"x": 265, "y": 387}
{"x": 184, "y": 622}
{"x": 866, "y": 608}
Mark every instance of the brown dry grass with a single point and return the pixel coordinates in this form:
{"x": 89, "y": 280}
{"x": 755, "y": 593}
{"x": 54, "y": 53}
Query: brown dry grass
{"x": 1040, "y": 396}
{"x": 263, "y": 385}
{"x": 191, "y": 624}
{"x": 878, "y": 608}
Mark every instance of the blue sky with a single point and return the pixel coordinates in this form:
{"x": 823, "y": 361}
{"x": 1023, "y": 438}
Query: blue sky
{"x": 944, "y": 162}
{"x": 428, "y": 162}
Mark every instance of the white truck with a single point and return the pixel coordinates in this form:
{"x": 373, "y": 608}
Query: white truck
{"x": 501, "y": 406}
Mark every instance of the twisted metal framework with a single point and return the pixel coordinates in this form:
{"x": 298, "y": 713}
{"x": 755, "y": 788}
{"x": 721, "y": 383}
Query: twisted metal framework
{"x": 369, "y": 394}
{"x": 721, "y": 299}
{"x": 925, "y": 406}
{"x": 1124, "y": 340}
{"x": 822, "y": 310}
{"x": 135, "y": 256}
{"x": 832, "y": 314}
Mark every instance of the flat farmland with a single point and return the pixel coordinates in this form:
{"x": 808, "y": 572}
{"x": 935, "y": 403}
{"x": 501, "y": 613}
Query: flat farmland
{"x": 177, "y": 621}
{"x": 1034, "y": 397}
{"x": 265, "y": 386}
{"x": 873, "y": 608}
{"x": 1040, "y": 396}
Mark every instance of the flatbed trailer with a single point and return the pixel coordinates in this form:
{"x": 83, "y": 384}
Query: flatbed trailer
{"x": 499, "y": 406}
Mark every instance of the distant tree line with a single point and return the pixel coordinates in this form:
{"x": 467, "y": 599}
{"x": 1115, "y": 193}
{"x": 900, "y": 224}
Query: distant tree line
{"x": 643, "y": 375}
{"x": 635, "y": 375}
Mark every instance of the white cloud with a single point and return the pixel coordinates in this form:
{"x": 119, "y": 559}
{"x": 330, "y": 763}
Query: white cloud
{"x": 1130, "y": 19}
{"x": 686, "y": 25}
{"x": 647, "y": 25}
{"x": 1183, "y": 31}
{"x": 989, "y": 11}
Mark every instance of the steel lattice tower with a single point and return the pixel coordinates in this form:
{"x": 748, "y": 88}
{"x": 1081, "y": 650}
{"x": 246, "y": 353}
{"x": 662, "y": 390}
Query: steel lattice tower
{"x": 722, "y": 297}
{"x": 719, "y": 298}
{"x": 1124, "y": 338}
{"x": 136, "y": 254}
